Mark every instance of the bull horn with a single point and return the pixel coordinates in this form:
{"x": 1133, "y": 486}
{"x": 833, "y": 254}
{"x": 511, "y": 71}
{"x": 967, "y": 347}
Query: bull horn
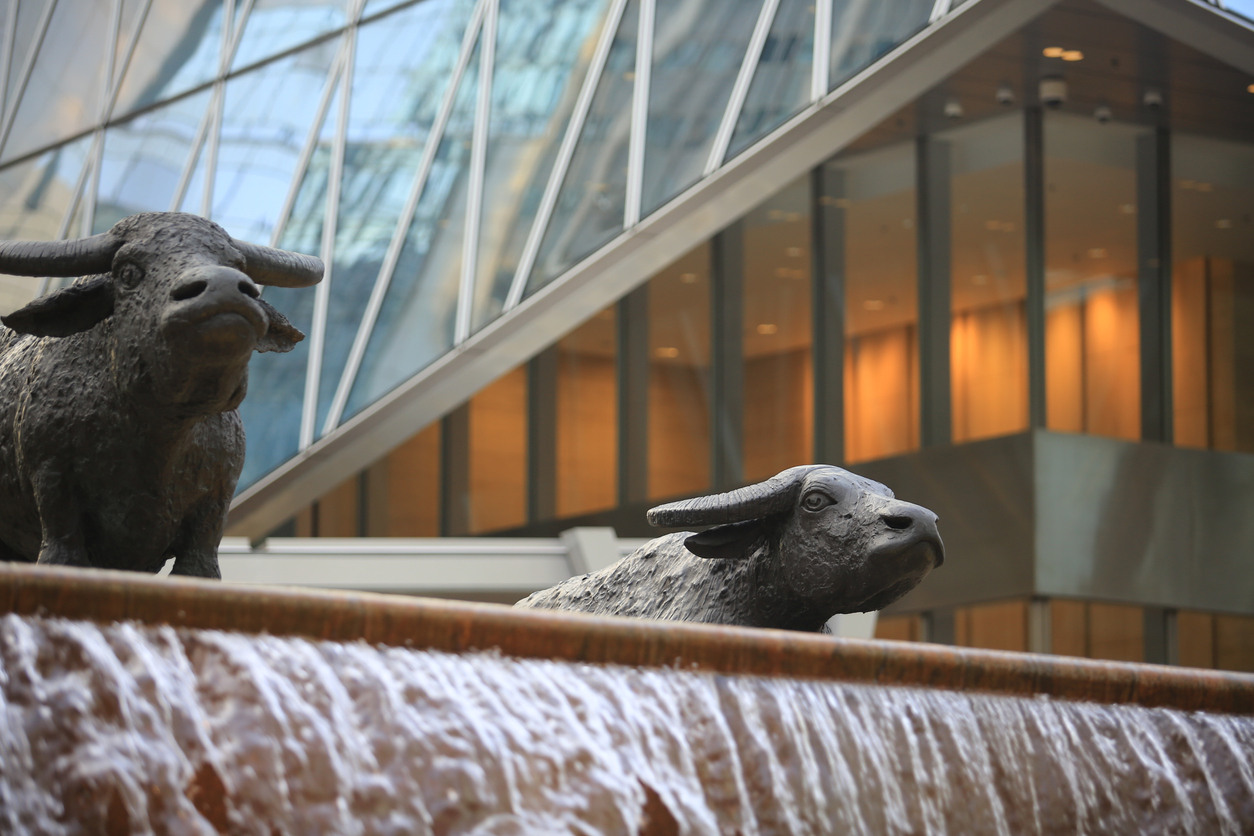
{"x": 774, "y": 496}
{"x": 60, "y": 259}
{"x": 266, "y": 265}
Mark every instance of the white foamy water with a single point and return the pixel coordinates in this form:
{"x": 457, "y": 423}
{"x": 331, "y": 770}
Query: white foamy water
{"x": 127, "y": 728}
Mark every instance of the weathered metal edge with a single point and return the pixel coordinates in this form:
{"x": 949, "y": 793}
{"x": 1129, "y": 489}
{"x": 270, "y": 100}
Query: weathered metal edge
{"x": 456, "y": 627}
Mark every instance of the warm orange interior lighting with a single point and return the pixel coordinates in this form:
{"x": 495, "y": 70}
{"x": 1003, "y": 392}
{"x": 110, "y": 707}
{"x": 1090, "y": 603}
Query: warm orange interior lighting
{"x": 1053, "y": 52}
{"x": 1073, "y": 55}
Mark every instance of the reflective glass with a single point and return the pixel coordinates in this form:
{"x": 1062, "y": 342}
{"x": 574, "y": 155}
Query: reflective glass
{"x": 1092, "y": 323}
{"x": 590, "y": 204}
{"x": 126, "y": 33}
{"x": 276, "y": 25}
{"x": 276, "y": 390}
{"x": 698, "y": 48}
{"x": 35, "y": 196}
{"x": 679, "y": 377}
{"x": 29, "y": 14}
{"x": 1212, "y": 284}
{"x": 266, "y": 118}
{"x": 65, "y": 90}
{"x": 178, "y": 49}
{"x": 194, "y": 195}
{"x": 587, "y": 417}
{"x": 873, "y": 204}
{"x": 402, "y": 70}
{"x": 988, "y": 337}
{"x": 781, "y": 83}
{"x": 779, "y": 412}
{"x": 1244, "y": 8}
{"x": 144, "y": 159}
{"x": 542, "y": 54}
{"x": 415, "y": 325}
{"x": 863, "y": 31}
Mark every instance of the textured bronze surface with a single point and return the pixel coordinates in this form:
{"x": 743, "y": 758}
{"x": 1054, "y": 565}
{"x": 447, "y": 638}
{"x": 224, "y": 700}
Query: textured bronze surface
{"x": 104, "y": 596}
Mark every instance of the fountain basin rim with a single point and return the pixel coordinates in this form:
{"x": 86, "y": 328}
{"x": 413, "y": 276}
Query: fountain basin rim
{"x": 458, "y": 627}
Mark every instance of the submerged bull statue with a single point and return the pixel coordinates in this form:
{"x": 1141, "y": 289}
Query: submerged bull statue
{"x": 120, "y": 444}
{"x": 788, "y": 553}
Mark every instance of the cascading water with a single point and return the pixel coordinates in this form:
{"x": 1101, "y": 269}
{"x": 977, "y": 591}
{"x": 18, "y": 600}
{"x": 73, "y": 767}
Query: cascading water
{"x": 153, "y": 729}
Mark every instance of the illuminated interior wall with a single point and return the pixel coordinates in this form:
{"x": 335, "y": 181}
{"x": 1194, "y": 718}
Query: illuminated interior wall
{"x": 498, "y": 454}
{"x": 587, "y": 418}
{"x": 403, "y": 489}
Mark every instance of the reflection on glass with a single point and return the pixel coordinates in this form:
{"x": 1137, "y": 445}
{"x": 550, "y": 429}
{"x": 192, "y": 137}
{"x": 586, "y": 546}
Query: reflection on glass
{"x": 781, "y": 83}
{"x": 779, "y": 391}
{"x": 988, "y": 337}
{"x": 590, "y": 205}
{"x": 272, "y": 410}
{"x": 587, "y": 417}
{"x": 403, "y": 489}
{"x": 144, "y": 159}
{"x": 863, "y": 30}
{"x": 415, "y": 324}
{"x": 178, "y": 49}
{"x": 266, "y": 117}
{"x": 542, "y": 54}
{"x": 29, "y": 14}
{"x": 874, "y": 203}
{"x": 276, "y": 25}
{"x": 679, "y": 376}
{"x": 35, "y": 196}
{"x": 65, "y": 90}
{"x": 697, "y": 51}
{"x": 402, "y": 67}
{"x": 498, "y": 455}
{"x": 1212, "y": 315}
{"x": 1092, "y": 336}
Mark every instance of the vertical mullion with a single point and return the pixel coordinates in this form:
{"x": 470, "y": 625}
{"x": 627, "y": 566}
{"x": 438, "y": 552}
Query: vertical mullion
{"x": 1153, "y": 238}
{"x": 27, "y": 67}
{"x": 933, "y": 224}
{"x": 1034, "y": 305}
{"x": 542, "y": 375}
{"x": 215, "y": 107}
{"x": 393, "y": 254}
{"x": 455, "y": 472}
{"x": 740, "y": 89}
{"x": 322, "y": 296}
{"x": 478, "y": 161}
{"x": 828, "y": 311}
{"x": 633, "y": 396}
{"x": 639, "y": 114}
{"x": 820, "y": 69}
{"x": 567, "y": 150}
{"x": 727, "y": 368}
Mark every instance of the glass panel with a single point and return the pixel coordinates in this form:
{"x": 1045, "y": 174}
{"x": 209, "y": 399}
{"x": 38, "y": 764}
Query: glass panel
{"x": 415, "y": 324}
{"x": 276, "y": 25}
{"x": 272, "y": 410}
{"x": 498, "y": 454}
{"x": 178, "y": 49}
{"x": 374, "y": 7}
{"x": 779, "y": 387}
{"x": 1241, "y": 7}
{"x": 697, "y": 51}
{"x": 1212, "y": 284}
{"x": 1092, "y": 336}
{"x": 403, "y": 489}
{"x": 194, "y": 196}
{"x": 542, "y": 54}
{"x": 414, "y": 51}
{"x": 590, "y": 205}
{"x": 144, "y": 159}
{"x": 679, "y": 377}
{"x": 34, "y": 198}
{"x": 781, "y": 83}
{"x": 29, "y": 14}
{"x": 587, "y": 417}
{"x": 875, "y": 201}
{"x": 64, "y": 93}
{"x": 126, "y": 33}
{"x": 266, "y": 118}
{"x": 988, "y": 340}
{"x": 863, "y": 31}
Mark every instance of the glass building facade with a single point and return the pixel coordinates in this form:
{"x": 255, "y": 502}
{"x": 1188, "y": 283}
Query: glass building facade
{"x": 988, "y": 259}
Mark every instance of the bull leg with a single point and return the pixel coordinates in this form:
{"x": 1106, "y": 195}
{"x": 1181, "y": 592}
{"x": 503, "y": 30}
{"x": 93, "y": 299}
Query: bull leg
{"x": 196, "y": 550}
{"x": 63, "y": 543}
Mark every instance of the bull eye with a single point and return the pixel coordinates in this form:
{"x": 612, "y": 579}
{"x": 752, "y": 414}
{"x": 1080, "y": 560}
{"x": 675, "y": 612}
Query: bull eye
{"x": 817, "y": 501}
{"x": 130, "y": 274}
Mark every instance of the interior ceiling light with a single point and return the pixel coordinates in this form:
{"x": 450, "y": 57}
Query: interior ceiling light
{"x": 874, "y": 304}
{"x": 667, "y": 351}
{"x": 1053, "y": 51}
{"x": 768, "y": 328}
{"x": 1072, "y": 55}
{"x": 1250, "y": 89}
{"x": 688, "y": 278}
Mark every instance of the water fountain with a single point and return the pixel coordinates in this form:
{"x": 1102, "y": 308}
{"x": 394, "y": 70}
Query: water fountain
{"x": 138, "y": 704}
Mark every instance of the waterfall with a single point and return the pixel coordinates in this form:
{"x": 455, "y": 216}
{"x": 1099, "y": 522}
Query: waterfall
{"x": 127, "y": 728}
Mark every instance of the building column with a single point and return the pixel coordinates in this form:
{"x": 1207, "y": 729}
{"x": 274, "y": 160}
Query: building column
{"x": 1034, "y": 239}
{"x": 932, "y": 172}
{"x": 542, "y": 435}
{"x": 633, "y": 396}
{"x": 727, "y": 365}
{"x": 1153, "y": 246}
{"x": 827, "y": 288}
{"x": 455, "y": 472}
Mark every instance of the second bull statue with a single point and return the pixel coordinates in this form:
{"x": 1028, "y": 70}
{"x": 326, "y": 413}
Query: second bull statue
{"x": 120, "y": 443}
{"x": 788, "y": 553}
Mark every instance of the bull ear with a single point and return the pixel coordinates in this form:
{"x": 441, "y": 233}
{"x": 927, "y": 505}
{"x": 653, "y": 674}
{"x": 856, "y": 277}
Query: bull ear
{"x": 71, "y": 310}
{"x": 733, "y": 541}
{"x": 282, "y": 335}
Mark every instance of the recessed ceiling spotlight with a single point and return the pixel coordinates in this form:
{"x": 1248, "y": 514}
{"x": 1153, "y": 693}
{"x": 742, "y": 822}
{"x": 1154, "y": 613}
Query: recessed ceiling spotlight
{"x": 1072, "y": 55}
{"x": 953, "y": 109}
{"x": 1053, "y": 91}
{"x": 1006, "y": 94}
{"x": 1153, "y": 98}
{"x": 1053, "y": 51}
{"x": 1103, "y": 114}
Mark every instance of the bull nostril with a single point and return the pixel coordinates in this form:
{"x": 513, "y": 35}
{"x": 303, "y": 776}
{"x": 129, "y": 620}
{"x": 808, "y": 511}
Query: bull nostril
{"x": 249, "y": 289}
{"x": 898, "y": 522}
{"x": 189, "y": 290}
